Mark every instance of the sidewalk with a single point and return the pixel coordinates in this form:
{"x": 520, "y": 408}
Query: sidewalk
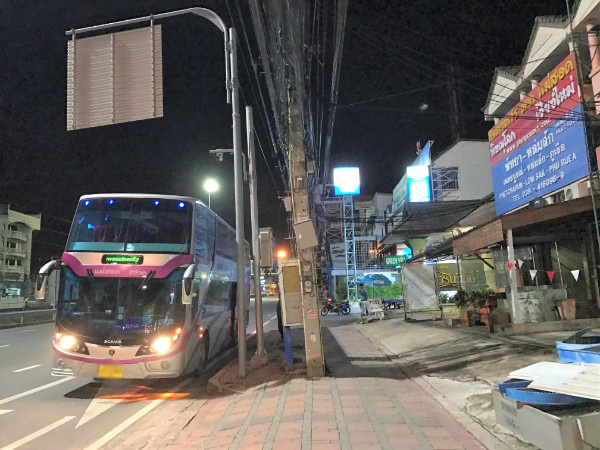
{"x": 368, "y": 401}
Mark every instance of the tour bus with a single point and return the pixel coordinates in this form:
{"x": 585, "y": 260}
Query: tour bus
{"x": 147, "y": 288}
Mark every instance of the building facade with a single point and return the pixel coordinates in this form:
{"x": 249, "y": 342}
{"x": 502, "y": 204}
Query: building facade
{"x": 16, "y": 231}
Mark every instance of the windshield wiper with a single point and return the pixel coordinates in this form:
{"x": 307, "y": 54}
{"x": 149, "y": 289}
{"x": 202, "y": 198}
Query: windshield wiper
{"x": 147, "y": 278}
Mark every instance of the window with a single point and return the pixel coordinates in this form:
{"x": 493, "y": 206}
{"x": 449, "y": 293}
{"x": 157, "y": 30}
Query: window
{"x": 444, "y": 180}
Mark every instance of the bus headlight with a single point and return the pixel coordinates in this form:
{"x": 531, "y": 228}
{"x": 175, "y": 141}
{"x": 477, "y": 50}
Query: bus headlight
{"x": 161, "y": 345}
{"x": 67, "y": 342}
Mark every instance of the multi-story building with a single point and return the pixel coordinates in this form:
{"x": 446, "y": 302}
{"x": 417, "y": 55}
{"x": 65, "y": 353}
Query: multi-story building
{"x": 16, "y": 231}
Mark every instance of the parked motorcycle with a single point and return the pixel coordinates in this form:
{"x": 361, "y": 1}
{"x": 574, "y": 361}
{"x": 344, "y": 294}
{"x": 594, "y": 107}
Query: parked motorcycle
{"x": 331, "y": 306}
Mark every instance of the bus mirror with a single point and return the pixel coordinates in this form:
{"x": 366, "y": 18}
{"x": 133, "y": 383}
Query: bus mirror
{"x": 42, "y": 279}
{"x": 188, "y": 278}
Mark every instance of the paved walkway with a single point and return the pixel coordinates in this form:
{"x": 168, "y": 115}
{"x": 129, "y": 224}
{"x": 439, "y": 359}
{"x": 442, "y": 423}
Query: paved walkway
{"x": 367, "y": 402}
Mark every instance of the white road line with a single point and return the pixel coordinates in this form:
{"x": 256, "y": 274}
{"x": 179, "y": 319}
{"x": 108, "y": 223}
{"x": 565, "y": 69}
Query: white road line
{"x": 27, "y": 368}
{"x": 34, "y": 390}
{"x": 5, "y": 345}
{"x": 132, "y": 419}
{"x": 5, "y": 411}
{"x": 32, "y": 436}
{"x": 25, "y": 331}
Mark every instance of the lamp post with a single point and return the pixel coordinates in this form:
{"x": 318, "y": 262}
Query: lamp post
{"x": 232, "y": 88}
{"x": 210, "y": 186}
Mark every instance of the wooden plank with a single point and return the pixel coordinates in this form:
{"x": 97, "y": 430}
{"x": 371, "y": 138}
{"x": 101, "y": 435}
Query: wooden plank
{"x": 526, "y": 217}
{"x": 578, "y": 380}
{"x": 478, "y": 238}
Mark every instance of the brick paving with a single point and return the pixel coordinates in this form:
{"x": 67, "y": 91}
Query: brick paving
{"x": 367, "y": 402}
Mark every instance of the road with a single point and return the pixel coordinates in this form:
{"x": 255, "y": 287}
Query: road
{"x": 40, "y": 411}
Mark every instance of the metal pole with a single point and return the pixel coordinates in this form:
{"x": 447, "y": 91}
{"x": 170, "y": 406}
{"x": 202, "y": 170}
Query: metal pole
{"x": 238, "y": 174}
{"x": 512, "y": 276}
{"x": 260, "y": 345}
{"x": 208, "y": 199}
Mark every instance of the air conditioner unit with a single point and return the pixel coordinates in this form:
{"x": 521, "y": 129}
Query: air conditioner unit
{"x": 571, "y": 193}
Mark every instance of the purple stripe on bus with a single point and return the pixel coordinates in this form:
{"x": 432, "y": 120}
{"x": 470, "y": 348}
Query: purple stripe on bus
{"x": 123, "y": 270}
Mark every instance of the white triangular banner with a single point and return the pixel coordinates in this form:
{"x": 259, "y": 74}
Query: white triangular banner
{"x": 532, "y": 274}
{"x": 520, "y": 261}
{"x": 575, "y": 274}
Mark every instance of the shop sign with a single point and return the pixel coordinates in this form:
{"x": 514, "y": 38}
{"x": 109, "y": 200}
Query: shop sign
{"x": 394, "y": 260}
{"x": 539, "y": 146}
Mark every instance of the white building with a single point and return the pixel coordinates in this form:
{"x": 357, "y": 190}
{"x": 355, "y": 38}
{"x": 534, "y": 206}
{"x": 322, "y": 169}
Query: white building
{"x": 16, "y": 231}
{"x": 462, "y": 171}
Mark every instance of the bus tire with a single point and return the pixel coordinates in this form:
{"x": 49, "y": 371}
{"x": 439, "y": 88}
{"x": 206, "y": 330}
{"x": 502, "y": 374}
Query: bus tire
{"x": 205, "y": 354}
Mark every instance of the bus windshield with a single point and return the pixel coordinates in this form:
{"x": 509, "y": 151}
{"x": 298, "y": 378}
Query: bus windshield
{"x": 131, "y": 225}
{"x": 129, "y": 309}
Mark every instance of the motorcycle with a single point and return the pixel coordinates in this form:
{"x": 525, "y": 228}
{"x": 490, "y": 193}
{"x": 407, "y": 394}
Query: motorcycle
{"x": 330, "y": 306}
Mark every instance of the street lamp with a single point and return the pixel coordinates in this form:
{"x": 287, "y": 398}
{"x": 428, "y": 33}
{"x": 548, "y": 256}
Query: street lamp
{"x": 210, "y": 186}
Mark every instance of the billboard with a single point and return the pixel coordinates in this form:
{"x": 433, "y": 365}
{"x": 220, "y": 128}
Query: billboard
{"x": 346, "y": 181}
{"x": 114, "y": 78}
{"x": 419, "y": 183}
{"x": 540, "y": 146}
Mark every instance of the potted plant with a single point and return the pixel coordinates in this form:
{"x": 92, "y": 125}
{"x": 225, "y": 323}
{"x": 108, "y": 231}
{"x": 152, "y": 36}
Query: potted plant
{"x": 463, "y": 301}
{"x": 484, "y": 301}
{"x": 499, "y": 316}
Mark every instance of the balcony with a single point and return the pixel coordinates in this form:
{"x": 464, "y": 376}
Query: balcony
{"x": 18, "y": 235}
{"x": 14, "y": 252}
{"x": 12, "y": 269}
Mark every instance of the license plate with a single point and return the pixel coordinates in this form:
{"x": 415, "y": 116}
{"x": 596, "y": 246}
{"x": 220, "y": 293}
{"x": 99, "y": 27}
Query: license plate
{"x": 111, "y": 371}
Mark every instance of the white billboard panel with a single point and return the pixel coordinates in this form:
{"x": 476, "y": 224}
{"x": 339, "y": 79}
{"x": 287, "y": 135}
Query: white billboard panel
{"x": 114, "y": 78}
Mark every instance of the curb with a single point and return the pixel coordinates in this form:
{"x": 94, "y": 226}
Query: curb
{"x": 482, "y": 434}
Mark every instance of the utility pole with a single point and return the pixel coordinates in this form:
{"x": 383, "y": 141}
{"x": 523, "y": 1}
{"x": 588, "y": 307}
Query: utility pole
{"x": 315, "y": 364}
{"x": 260, "y": 339}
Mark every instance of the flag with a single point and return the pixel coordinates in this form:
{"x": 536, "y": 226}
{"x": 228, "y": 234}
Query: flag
{"x": 532, "y": 274}
{"x": 575, "y": 274}
{"x": 550, "y": 275}
{"x": 520, "y": 261}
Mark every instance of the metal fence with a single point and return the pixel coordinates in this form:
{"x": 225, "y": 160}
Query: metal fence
{"x": 29, "y": 317}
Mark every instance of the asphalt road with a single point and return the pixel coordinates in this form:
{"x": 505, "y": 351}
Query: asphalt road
{"x": 40, "y": 411}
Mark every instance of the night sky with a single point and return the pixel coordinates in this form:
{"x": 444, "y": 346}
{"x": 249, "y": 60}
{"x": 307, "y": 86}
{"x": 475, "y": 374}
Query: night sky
{"x": 390, "y": 47}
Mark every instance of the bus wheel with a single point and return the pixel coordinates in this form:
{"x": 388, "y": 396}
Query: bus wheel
{"x": 205, "y": 353}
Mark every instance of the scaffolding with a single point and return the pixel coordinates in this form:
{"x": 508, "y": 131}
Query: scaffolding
{"x": 350, "y": 245}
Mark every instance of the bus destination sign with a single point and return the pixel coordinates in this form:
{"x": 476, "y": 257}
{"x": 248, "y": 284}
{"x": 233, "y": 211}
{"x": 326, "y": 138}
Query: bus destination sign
{"x": 122, "y": 259}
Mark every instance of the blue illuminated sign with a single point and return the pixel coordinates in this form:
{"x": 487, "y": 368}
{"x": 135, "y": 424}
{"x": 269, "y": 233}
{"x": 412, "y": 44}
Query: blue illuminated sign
{"x": 346, "y": 181}
{"x": 419, "y": 184}
{"x": 554, "y": 158}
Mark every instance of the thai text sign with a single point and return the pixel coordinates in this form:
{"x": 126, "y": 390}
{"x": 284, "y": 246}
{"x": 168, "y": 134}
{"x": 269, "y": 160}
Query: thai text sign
{"x": 539, "y": 146}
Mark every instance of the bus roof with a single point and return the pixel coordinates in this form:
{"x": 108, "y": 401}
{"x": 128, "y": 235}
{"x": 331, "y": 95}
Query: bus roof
{"x": 125, "y": 195}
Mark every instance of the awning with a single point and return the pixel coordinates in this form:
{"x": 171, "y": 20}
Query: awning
{"x": 423, "y": 218}
{"x": 493, "y": 232}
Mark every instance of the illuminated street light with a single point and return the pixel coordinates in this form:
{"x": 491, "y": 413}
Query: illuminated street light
{"x": 281, "y": 254}
{"x": 210, "y": 186}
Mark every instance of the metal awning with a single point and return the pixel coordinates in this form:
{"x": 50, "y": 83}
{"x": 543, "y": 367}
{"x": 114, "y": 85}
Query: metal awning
{"x": 419, "y": 219}
{"x": 493, "y": 232}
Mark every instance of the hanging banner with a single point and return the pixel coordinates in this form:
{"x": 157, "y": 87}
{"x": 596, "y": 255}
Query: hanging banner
{"x": 550, "y": 275}
{"x": 575, "y": 274}
{"x": 532, "y": 274}
{"x": 520, "y": 263}
{"x": 539, "y": 146}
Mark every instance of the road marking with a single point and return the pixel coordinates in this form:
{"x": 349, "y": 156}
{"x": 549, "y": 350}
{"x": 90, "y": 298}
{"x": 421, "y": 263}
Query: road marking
{"x": 27, "y": 368}
{"x": 5, "y": 411}
{"x": 5, "y": 345}
{"x": 132, "y": 419}
{"x": 98, "y": 405}
{"x": 34, "y": 390}
{"x": 38, "y": 433}
{"x": 25, "y": 331}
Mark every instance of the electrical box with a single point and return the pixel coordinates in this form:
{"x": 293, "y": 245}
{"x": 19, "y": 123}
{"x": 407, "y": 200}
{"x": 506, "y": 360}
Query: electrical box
{"x": 267, "y": 247}
{"x": 291, "y": 293}
{"x": 305, "y": 235}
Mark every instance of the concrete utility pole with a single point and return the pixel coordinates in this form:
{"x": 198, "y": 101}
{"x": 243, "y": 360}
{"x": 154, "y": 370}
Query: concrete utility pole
{"x": 315, "y": 364}
{"x": 260, "y": 338}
